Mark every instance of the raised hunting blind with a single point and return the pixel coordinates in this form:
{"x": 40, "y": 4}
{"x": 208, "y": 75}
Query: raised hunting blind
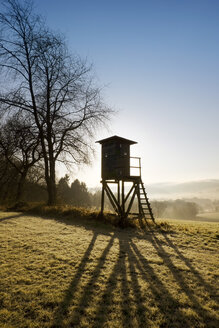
{"x": 116, "y": 169}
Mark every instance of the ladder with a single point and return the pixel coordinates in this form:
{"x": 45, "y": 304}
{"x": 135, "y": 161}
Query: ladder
{"x": 145, "y": 209}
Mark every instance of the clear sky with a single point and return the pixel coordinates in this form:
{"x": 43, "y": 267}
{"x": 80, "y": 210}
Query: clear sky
{"x": 159, "y": 60}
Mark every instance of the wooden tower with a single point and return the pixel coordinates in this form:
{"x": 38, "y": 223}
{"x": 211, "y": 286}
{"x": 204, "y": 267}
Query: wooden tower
{"x": 116, "y": 169}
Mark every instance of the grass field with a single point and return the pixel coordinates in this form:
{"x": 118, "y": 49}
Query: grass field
{"x": 80, "y": 273}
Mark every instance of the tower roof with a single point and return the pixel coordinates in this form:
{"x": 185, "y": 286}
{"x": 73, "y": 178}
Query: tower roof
{"x": 117, "y": 139}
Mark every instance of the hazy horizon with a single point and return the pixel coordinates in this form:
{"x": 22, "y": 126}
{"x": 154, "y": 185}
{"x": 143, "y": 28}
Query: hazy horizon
{"x": 201, "y": 189}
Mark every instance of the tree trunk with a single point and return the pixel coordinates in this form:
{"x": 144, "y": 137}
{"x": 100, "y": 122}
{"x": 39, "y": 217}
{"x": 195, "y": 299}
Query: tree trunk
{"x": 20, "y": 187}
{"x": 51, "y": 188}
{"x": 51, "y": 184}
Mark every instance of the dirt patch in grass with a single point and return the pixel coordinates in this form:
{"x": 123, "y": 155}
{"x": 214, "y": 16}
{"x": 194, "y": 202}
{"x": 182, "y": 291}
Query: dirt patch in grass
{"x": 78, "y": 272}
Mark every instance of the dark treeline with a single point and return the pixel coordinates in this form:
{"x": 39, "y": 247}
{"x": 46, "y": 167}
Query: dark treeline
{"x": 34, "y": 188}
{"x": 76, "y": 194}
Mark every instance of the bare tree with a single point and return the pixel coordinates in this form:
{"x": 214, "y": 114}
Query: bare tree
{"x": 8, "y": 178}
{"x": 20, "y": 147}
{"x": 49, "y": 84}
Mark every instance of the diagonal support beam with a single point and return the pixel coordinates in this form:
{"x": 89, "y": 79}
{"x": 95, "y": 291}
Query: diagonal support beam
{"x": 113, "y": 199}
{"x": 131, "y": 200}
{"x": 130, "y": 191}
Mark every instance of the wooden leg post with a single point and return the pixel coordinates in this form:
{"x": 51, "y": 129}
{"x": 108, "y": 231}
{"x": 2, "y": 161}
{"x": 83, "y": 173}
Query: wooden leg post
{"x": 139, "y": 201}
{"x": 123, "y": 205}
{"x": 123, "y": 198}
{"x": 118, "y": 193}
{"x": 102, "y": 198}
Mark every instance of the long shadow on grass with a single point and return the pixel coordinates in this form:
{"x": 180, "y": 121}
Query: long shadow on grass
{"x": 131, "y": 316}
{"x": 123, "y": 297}
{"x": 88, "y": 289}
{"x": 161, "y": 298}
{"x": 192, "y": 269}
{"x": 14, "y": 216}
{"x": 64, "y": 305}
{"x": 123, "y": 294}
{"x": 196, "y": 275}
{"x": 180, "y": 277}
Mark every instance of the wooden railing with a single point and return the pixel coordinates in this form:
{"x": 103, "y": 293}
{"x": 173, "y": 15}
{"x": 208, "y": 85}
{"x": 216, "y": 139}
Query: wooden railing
{"x": 138, "y": 165}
